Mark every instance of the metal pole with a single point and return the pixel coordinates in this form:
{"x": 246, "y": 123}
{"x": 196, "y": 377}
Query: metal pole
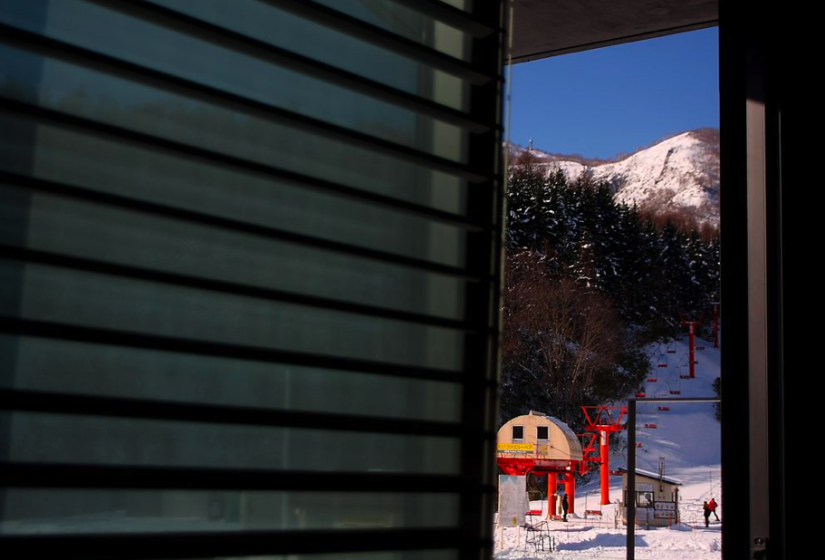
{"x": 552, "y": 484}
{"x": 570, "y": 490}
{"x": 761, "y": 333}
{"x": 692, "y": 350}
{"x": 630, "y": 501}
{"x": 605, "y": 468}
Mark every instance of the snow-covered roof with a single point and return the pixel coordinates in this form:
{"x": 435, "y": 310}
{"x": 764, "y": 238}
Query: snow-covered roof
{"x": 653, "y": 475}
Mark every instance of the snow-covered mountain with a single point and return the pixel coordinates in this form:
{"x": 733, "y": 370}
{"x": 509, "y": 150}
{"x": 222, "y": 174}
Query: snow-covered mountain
{"x": 678, "y": 174}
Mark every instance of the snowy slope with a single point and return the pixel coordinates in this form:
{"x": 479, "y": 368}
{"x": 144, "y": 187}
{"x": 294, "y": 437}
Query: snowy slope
{"x": 688, "y": 434}
{"x": 677, "y": 174}
{"x": 688, "y": 437}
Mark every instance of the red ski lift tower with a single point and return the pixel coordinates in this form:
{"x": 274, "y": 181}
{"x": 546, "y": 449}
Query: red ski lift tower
{"x": 589, "y": 454}
{"x": 691, "y": 325}
{"x": 716, "y": 324}
{"x": 604, "y": 420}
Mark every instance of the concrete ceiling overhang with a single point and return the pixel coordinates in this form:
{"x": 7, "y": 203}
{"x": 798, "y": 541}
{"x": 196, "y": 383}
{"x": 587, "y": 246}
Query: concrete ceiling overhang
{"x": 544, "y": 28}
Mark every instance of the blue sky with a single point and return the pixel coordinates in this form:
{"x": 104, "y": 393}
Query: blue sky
{"x": 617, "y": 99}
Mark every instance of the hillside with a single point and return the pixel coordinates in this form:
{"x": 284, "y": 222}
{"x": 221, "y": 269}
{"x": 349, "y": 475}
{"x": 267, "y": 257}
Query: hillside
{"x": 679, "y": 174}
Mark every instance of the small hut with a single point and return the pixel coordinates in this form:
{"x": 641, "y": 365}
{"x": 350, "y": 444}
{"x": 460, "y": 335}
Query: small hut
{"x": 540, "y": 444}
{"x": 657, "y": 499}
{"x": 537, "y": 443}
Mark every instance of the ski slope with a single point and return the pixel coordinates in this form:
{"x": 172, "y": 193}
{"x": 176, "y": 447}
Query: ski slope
{"x": 687, "y": 436}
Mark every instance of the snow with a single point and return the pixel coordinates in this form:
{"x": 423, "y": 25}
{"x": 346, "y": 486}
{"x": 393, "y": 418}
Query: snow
{"x": 592, "y": 539}
{"x": 681, "y": 172}
{"x": 688, "y": 437}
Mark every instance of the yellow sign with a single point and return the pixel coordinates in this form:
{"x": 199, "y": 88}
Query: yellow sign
{"x": 518, "y": 447}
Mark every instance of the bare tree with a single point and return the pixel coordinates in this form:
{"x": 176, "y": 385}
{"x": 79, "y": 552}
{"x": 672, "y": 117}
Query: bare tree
{"x": 557, "y": 337}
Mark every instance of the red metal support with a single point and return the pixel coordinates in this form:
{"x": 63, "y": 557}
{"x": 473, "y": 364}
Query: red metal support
{"x": 716, "y": 324}
{"x": 552, "y": 488}
{"x": 605, "y": 471}
{"x": 589, "y": 453}
{"x": 570, "y": 490}
{"x": 691, "y": 325}
{"x": 520, "y": 467}
{"x": 604, "y": 420}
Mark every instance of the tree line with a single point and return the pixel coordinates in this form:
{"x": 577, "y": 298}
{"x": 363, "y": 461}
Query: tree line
{"x": 589, "y": 283}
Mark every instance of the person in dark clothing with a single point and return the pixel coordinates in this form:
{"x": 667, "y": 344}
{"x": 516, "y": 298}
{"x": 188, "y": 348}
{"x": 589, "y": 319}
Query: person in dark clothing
{"x": 564, "y": 506}
{"x": 713, "y": 505}
{"x": 706, "y": 512}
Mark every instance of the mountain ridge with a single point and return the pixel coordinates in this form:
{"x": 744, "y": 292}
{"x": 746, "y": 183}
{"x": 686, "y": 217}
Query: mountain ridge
{"x": 677, "y": 174}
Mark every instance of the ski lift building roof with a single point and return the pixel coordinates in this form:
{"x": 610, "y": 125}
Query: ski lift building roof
{"x": 650, "y": 474}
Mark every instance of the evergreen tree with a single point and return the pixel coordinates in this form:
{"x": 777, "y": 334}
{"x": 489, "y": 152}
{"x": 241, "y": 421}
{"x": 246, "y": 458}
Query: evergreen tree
{"x": 589, "y": 283}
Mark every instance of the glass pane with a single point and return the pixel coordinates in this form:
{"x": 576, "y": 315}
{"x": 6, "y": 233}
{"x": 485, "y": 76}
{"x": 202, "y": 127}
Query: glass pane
{"x": 100, "y": 29}
{"x": 87, "y": 93}
{"x": 95, "y": 369}
{"x": 66, "y": 511}
{"x": 258, "y": 168}
{"x": 135, "y": 442}
{"x": 99, "y": 232}
{"x": 465, "y": 5}
{"x": 282, "y": 29}
{"x": 127, "y": 170}
{"x": 407, "y": 23}
{"x": 383, "y": 555}
{"x": 63, "y": 296}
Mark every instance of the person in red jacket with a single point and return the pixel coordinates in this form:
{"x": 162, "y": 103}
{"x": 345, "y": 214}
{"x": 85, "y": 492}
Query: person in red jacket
{"x": 713, "y": 505}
